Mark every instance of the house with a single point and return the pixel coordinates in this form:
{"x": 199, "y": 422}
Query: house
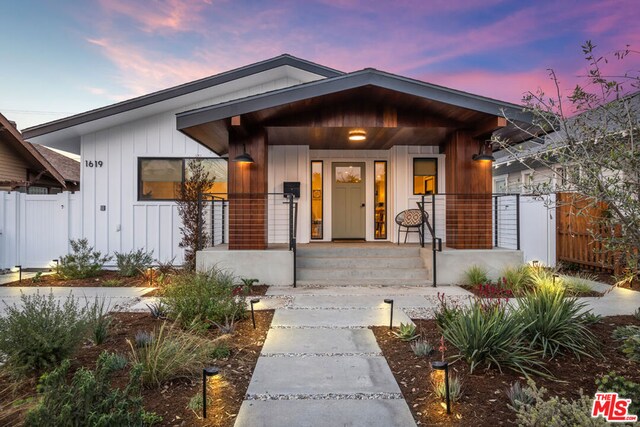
{"x": 358, "y": 147}
{"x": 32, "y": 169}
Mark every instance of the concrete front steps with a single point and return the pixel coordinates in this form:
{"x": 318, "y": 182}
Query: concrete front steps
{"x": 361, "y": 265}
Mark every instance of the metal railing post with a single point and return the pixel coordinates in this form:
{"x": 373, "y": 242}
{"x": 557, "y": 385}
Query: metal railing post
{"x": 199, "y": 235}
{"x": 495, "y": 221}
{"x": 213, "y": 221}
{"x": 223, "y": 223}
{"x": 518, "y": 220}
{"x": 422, "y": 224}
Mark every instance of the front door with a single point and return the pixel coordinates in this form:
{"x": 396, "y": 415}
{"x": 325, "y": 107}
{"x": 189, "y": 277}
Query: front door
{"x": 348, "y": 201}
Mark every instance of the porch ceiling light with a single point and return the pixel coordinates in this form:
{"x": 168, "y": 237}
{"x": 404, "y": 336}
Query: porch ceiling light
{"x": 244, "y": 157}
{"x": 357, "y": 135}
{"x": 482, "y": 156}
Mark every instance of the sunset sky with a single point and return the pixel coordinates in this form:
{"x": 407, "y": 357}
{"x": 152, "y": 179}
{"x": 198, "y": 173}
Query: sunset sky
{"x": 63, "y": 57}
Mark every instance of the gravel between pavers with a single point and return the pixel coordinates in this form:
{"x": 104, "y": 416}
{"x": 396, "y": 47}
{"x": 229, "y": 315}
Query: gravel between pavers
{"x": 326, "y": 396}
{"x": 372, "y": 354}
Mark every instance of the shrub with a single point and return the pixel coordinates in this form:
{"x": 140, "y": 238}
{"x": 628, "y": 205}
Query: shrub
{"x": 195, "y": 403}
{"x": 519, "y": 395}
{"x": 172, "y": 354}
{"x": 248, "y": 284}
{"x": 627, "y": 389}
{"x": 406, "y": 332}
{"x": 590, "y": 318}
{"x": 446, "y": 311}
{"x": 491, "y": 338}
{"x": 636, "y": 314}
{"x": 82, "y": 262}
{"x": 475, "y": 275}
{"x": 631, "y": 347}
{"x": 158, "y": 310}
{"x": 205, "y": 297}
{"x": 143, "y": 339}
{"x": 623, "y": 332}
{"x": 556, "y": 412}
{"x": 88, "y": 399}
{"x": 99, "y": 321}
{"x": 133, "y": 263}
{"x": 575, "y": 285}
{"x": 517, "y": 279}
{"x": 440, "y": 389}
{"x": 42, "y": 333}
{"x": 553, "y": 323}
{"x": 421, "y": 347}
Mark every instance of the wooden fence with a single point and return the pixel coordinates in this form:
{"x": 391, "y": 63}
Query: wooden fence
{"x": 576, "y": 220}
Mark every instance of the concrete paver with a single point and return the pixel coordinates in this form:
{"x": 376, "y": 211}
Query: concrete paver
{"x": 325, "y": 413}
{"x": 309, "y": 317}
{"x": 320, "y": 341}
{"x": 356, "y": 301}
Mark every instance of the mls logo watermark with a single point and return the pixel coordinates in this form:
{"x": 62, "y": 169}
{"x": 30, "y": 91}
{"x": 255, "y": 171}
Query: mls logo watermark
{"x": 612, "y": 408}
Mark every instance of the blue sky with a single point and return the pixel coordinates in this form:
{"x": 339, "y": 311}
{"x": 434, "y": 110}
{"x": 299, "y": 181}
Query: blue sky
{"x": 64, "y": 57}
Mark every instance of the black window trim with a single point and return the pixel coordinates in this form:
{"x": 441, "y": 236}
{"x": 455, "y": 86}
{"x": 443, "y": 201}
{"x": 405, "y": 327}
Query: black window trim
{"x": 413, "y": 174}
{"x": 183, "y": 159}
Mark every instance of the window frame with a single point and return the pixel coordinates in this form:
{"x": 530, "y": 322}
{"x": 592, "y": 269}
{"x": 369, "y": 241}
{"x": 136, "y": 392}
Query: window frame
{"x": 321, "y": 198}
{"x": 386, "y": 201}
{"x": 183, "y": 169}
{"x": 413, "y": 175}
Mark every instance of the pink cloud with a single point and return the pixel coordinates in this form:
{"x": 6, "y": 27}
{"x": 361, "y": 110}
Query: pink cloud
{"x": 161, "y": 15}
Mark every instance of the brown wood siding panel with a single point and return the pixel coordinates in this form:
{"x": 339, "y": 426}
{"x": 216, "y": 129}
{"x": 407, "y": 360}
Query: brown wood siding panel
{"x": 468, "y": 187}
{"x": 12, "y": 166}
{"x": 247, "y": 192}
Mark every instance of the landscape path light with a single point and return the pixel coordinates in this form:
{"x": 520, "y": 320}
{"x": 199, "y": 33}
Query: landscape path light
{"x": 207, "y": 372}
{"x": 555, "y": 276}
{"x": 390, "y": 301}
{"x": 253, "y": 316}
{"x": 444, "y": 366}
{"x": 19, "y": 267}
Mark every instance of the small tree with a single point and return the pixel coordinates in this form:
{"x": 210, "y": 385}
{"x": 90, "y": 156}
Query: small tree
{"x": 590, "y": 148}
{"x": 197, "y": 182}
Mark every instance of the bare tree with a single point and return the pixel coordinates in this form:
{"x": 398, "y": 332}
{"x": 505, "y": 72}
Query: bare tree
{"x": 590, "y": 145}
{"x": 197, "y": 181}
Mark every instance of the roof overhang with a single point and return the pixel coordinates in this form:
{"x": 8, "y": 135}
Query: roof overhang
{"x": 209, "y": 125}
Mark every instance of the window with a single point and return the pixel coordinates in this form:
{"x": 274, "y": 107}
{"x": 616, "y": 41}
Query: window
{"x": 316, "y": 200}
{"x": 500, "y": 185}
{"x": 348, "y": 174}
{"x": 161, "y": 179}
{"x": 425, "y": 176}
{"x": 380, "y": 199}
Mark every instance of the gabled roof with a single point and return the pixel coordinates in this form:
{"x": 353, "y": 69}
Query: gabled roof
{"x": 366, "y": 77}
{"x": 11, "y": 136}
{"x": 68, "y": 168}
{"x": 178, "y": 91}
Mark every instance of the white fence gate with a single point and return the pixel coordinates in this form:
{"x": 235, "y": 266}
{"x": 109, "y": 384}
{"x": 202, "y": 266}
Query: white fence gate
{"x": 538, "y": 228}
{"x": 35, "y": 229}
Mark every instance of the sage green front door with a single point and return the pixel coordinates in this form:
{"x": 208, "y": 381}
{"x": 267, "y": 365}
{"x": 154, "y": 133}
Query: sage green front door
{"x": 348, "y": 201}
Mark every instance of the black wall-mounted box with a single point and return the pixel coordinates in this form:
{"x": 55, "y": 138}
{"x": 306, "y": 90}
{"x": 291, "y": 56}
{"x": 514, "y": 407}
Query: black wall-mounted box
{"x": 292, "y": 188}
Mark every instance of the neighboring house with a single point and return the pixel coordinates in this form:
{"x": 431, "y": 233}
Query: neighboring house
{"x": 26, "y": 168}
{"x": 362, "y": 146}
{"x": 66, "y": 166}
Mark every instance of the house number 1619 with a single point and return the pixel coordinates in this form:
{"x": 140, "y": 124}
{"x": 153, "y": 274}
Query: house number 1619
{"x": 92, "y": 164}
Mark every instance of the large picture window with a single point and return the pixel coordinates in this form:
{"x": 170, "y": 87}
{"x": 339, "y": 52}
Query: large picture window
{"x": 425, "y": 176}
{"x": 162, "y": 178}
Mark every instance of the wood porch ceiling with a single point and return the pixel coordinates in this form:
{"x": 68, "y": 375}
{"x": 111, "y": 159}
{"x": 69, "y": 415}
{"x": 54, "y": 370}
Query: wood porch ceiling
{"x": 323, "y": 122}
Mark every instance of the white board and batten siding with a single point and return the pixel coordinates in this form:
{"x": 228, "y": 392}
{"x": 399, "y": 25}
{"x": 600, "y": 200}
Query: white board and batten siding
{"x": 127, "y": 223}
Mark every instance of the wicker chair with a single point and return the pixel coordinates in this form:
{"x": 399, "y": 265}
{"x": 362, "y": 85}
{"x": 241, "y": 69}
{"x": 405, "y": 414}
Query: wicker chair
{"x": 411, "y": 220}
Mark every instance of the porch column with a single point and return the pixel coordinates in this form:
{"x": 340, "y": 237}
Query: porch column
{"x": 468, "y": 187}
{"x": 248, "y": 191}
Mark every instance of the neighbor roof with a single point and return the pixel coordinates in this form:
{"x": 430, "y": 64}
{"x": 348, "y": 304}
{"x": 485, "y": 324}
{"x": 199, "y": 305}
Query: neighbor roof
{"x": 176, "y": 91}
{"x": 68, "y": 168}
{"x": 11, "y": 136}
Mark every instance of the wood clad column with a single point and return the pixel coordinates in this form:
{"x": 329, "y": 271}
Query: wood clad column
{"x": 248, "y": 191}
{"x": 468, "y": 187}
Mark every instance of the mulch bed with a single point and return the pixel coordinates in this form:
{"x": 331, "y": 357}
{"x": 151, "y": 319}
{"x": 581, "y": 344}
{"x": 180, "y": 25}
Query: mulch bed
{"x": 170, "y": 401}
{"x": 108, "y": 278}
{"x": 484, "y": 402}
{"x": 475, "y": 290}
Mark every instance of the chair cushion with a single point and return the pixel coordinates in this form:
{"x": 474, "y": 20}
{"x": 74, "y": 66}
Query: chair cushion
{"x": 412, "y": 218}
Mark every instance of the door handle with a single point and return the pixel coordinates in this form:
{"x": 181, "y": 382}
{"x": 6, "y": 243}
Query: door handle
{"x": 362, "y": 205}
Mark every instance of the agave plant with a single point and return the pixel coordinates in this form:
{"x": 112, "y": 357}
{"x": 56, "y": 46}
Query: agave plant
{"x": 406, "y": 332}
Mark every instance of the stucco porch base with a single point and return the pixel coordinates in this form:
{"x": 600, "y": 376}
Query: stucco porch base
{"x": 271, "y": 267}
{"x": 452, "y": 263}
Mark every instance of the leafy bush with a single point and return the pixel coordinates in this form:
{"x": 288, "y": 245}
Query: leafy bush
{"x": 195, "y": 403}
{"x": 475, "y": 275}
{"x": 421, "y": 347}
{"x": 575, "y": 285}
{"x": 440, "y": 389}
{"x": 519, "y": 395}
{"x": 623, "y": 332}
{"x": 517, "y": 279}
{"x": 612, "y": 382}
{"x": 491, "y": 338}
{"x": 590, "y": 318}
{"x": 631, "y": 347}
{"x": 446, "y": 311}
{"x": 89, "y": 399}
{"x": 143, "y": 339}
{"x": 556, "y": 412}
{"x": 172, "y": 354}
{"x": 636, "y": 314}
{"x": 42, "y": 333}
{"x": 205, "y": 297}
{"x": 158, "y": 310}
{"x": 133, "y": 263}
{"x": 82, "y": 262}
{"x": 406, "y": 332}
{"x": 553, "y": 323}
{"x": 248, "y": 284}
{"x": 99, "y": 321}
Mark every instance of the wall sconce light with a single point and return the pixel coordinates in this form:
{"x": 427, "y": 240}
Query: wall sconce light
{"x": 244, "y": 157}
{"x": 390, "y": 301}
{"x": 207, "y": 372}
{"x": 357, "y": 135}
{"x": 444, "y": 366}
{"x": 19, "y": 267}
{"x": 253, "y": 317}
{"x": 482, "y": 153}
